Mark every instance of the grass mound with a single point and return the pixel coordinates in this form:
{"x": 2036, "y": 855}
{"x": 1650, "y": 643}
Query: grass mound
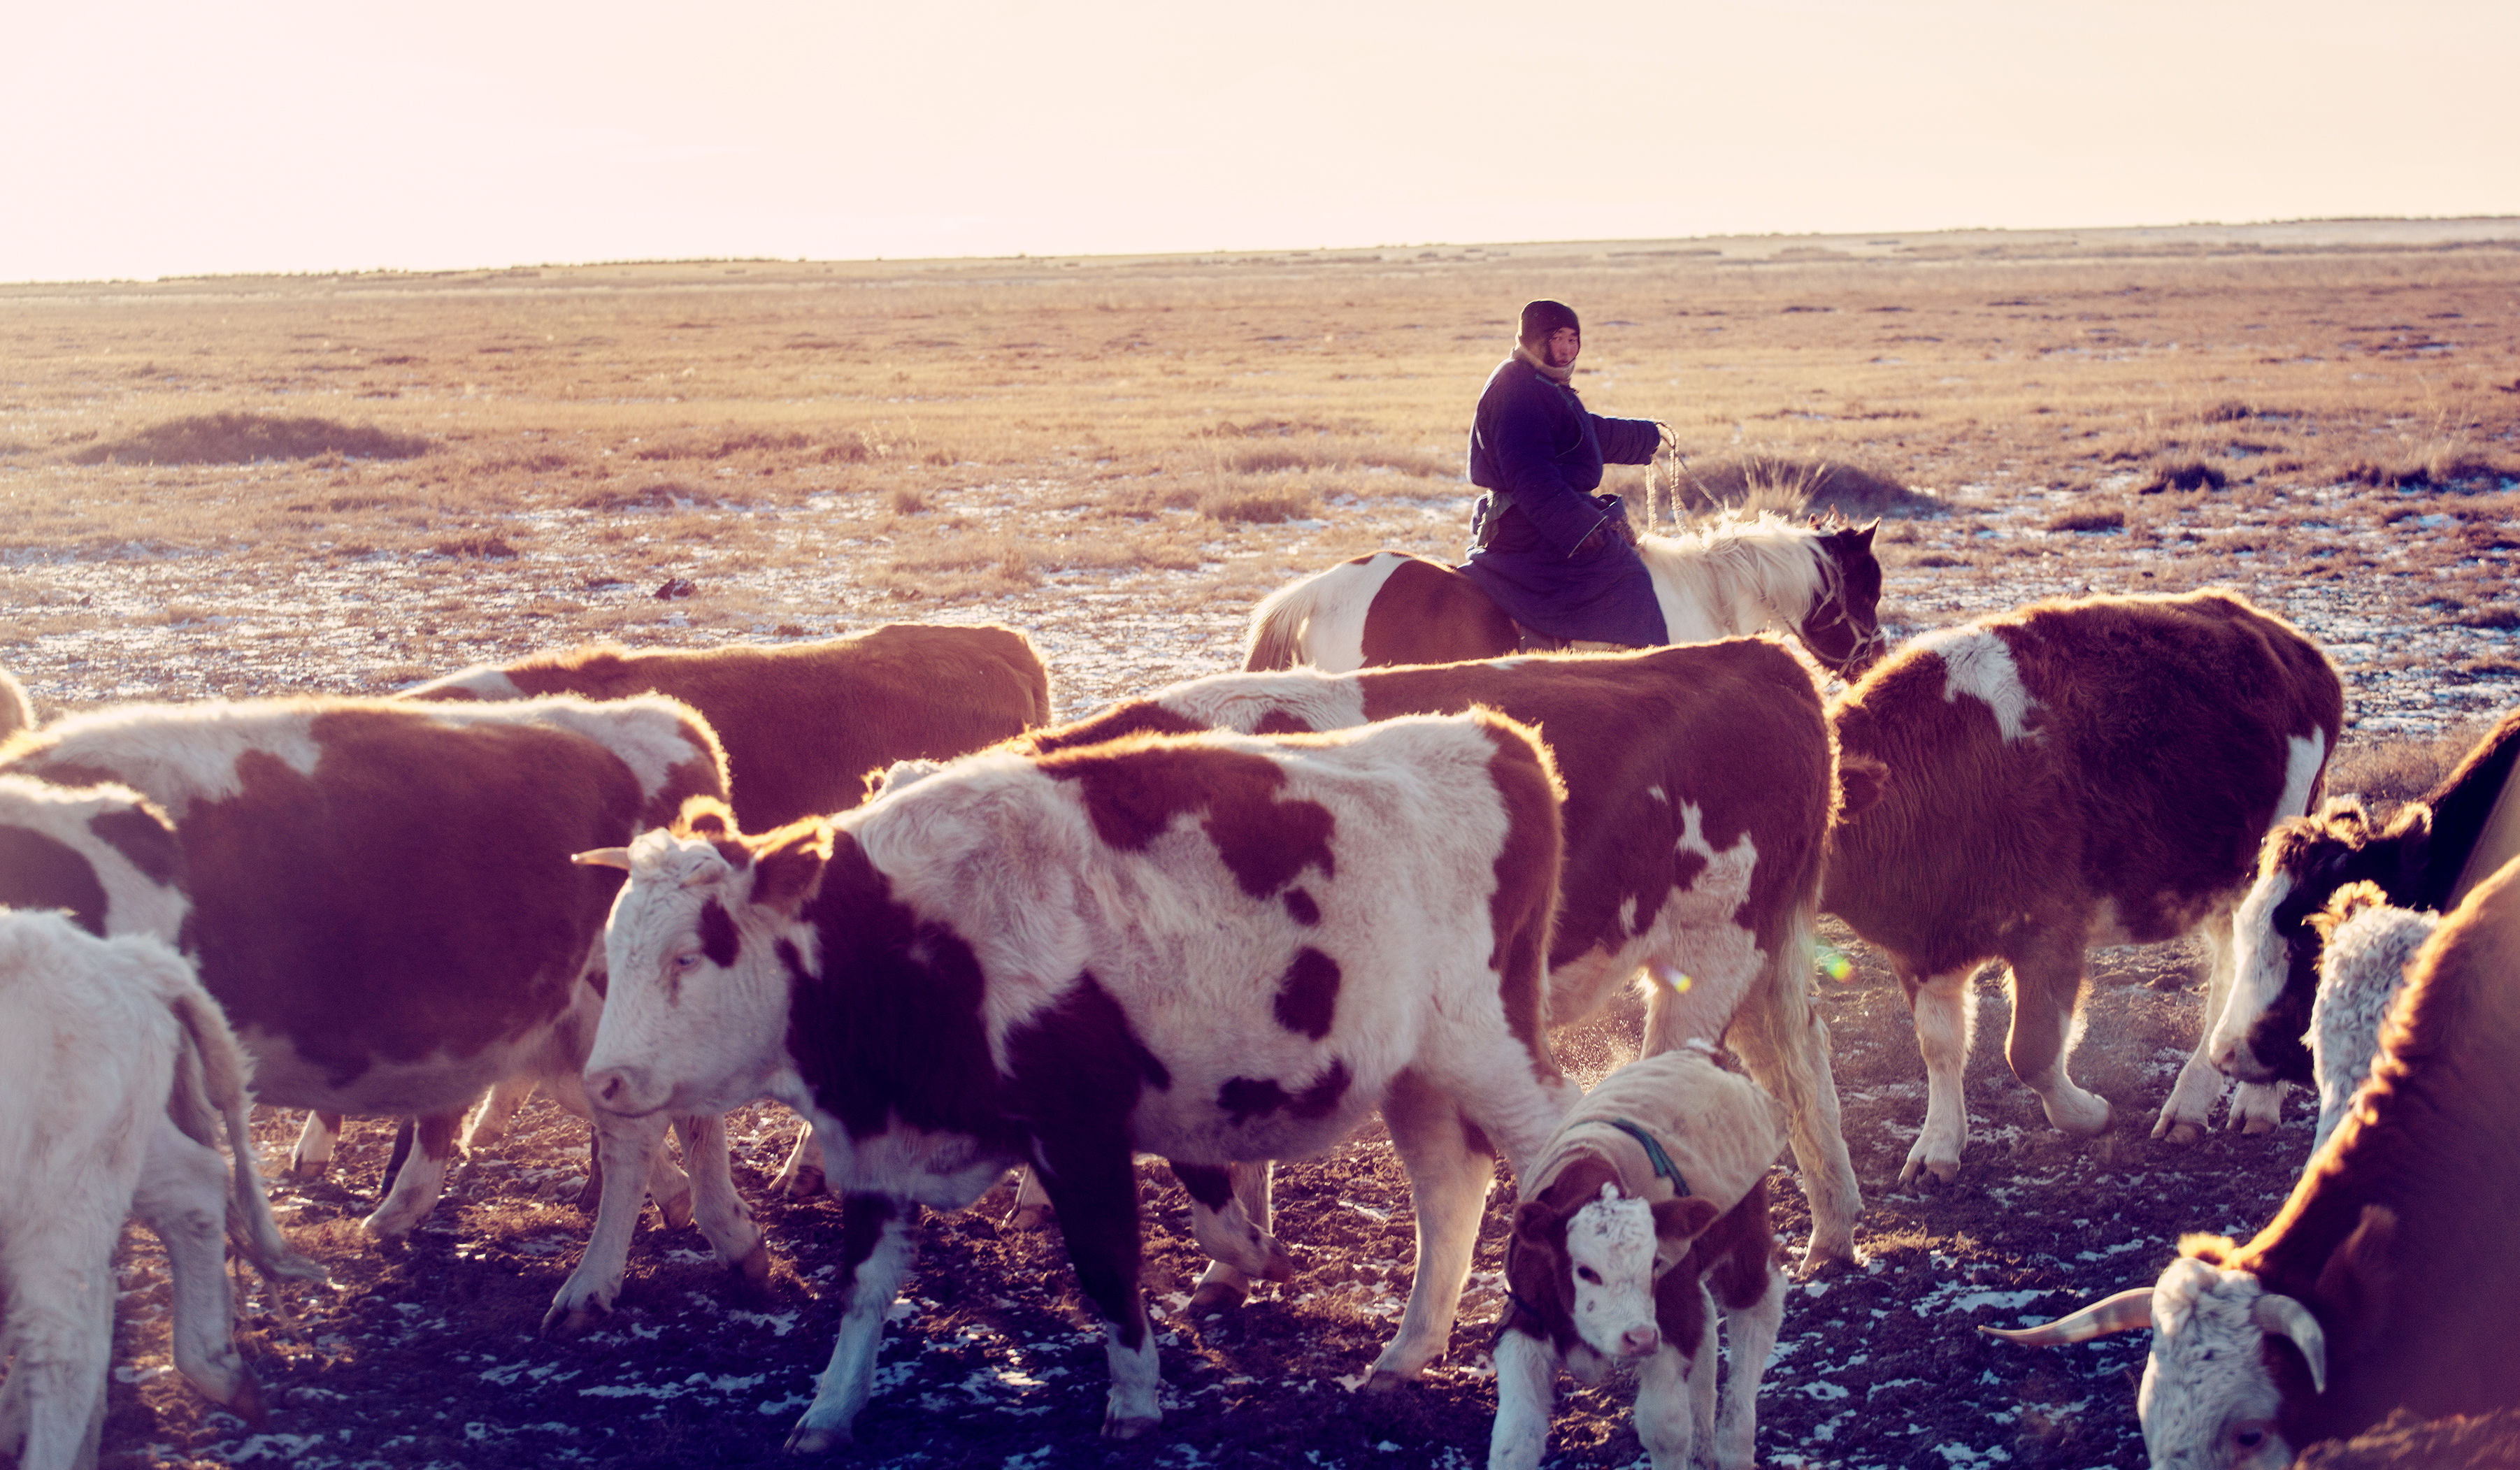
{"x": 1765, "y": 482}
{"x": 234, "y": 438}
{"x": 2187, "y": 475}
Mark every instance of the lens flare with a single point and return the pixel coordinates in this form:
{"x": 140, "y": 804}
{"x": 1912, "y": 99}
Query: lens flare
{"x": 1833, "y": 963}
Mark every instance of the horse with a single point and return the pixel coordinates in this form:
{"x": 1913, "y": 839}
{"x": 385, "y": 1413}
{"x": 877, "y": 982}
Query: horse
{"x": 1732, "y": 577}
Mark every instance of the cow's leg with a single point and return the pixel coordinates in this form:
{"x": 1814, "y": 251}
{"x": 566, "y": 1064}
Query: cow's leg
{"x": 1226, "y": 1229}
{"x": 416, "y": 1186}
{"x": 1752, "y": 1330}
{"x": 498, "y": 1110}
{"x": 315, "y": 1143}
{"x": 1784, "y": 1041}
{"x": 623, "y": 1146}
{"x": 876, "y": 1252}
{"x": 1448, "y": 1185}
{"x": 716, "y": 1208}
{"x": 1526, "y": 1369}
{"x": 1031, "y": 1210}
{"x": 2190, "y": 1108}
{"x": 2256, "y": 1106}
{"x": 1222, "y": 1287}
{"x": 669, "y": 1187}
{"x": 56, "y": 1264}
{"x": 1666, "y": 1409}
{"x": 1092, "y": 1178}
{"x": 1946, "y": 1010}
{"x": 183, "y": 1198}
{"x": 801, "y": 1176}
{"x": 2046, "y": 985}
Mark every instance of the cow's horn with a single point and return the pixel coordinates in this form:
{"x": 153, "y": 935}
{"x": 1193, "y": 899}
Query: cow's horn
{"x": 602, "y": 856}
{"x": 2124, "y": 1312}
{"x": 2285, "y": 1317}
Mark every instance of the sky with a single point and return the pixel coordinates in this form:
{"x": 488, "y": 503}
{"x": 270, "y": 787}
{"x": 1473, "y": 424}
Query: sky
{"x": 147, "y": 138}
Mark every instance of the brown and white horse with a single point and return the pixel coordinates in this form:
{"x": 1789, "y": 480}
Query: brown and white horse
{"x": 1733, "y": 577}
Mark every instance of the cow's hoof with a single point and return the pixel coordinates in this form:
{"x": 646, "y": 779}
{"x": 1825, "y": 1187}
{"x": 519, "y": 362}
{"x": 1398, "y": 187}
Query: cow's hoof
{"x": 564, "y": 1321}
{"x": 807, "y": 1438}
{"x": 2182, "y": 1133}
{"x": 754, "y": 1270}
{"x": 1028, "y": 1218}
{"x": 677, "y": 1210}
{"x": 1384, "y": 1381}
{"x": 1117, "y": 1427}
{"x": 1214, "y": 1299}
{"x": 247, "y": 1401}
{"x": 1827, "y": 1260}
{"x": 1929, "y": 1171}
{"x": 2259, "y": 1126}
{"x": 308, "y": 1169}
{"x": 805, "y": 1183}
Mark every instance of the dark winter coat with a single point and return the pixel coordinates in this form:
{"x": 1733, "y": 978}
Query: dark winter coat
{"x": 1544, "y": 562}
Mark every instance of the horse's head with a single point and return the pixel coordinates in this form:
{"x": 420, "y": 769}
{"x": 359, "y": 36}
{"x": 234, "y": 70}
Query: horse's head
{"x": 1843, "y": 628}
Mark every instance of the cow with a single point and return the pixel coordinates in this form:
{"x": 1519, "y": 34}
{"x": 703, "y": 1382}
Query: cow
{"x": 1699, "y": 792}
{"x": 1735, "y": 575}
{"x": 2427, "y": 857}
{"x": 119, "y": 1068}
{"x": 109, "y": 862}
{"x": 381, "y": 897}
{"x": 801, "y": 724}
{"x": 2387, "y": 1279}
{"x": 1212, "y": 947}
{"x": 2073, "y": 772}
{"x": 2364, "y": 947}
{"x": 1652, "y": 1189}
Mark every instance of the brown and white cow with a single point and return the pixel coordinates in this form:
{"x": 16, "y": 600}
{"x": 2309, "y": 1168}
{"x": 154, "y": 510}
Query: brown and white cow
{"x": 1214, "y": 946}
{"x": 2073, "y": 772}
{"x": 2428, "y": 857}
{"x": 2387, "y": 1280}
{"x": 1700, "y": 786}
{"x": 118, "y": 1068}
{"x": 381, "y": 897}
{"x": 1652, "y": 1191}
{"x": 801, "y": 724}
{"x": 2366, "y": 949}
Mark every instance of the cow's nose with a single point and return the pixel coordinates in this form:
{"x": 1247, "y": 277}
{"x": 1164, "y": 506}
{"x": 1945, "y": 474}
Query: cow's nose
{"x": 1640, "y": 1342}
{"x": 616, "y": 1090}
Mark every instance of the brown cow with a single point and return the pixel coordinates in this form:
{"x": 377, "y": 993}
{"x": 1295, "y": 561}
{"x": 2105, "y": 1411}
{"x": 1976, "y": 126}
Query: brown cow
{"x": 2387, "y": 1280}
{"x": 381, "y": 901}
{"x": 2071, "y": 774}
{"x": 801, "y": 725}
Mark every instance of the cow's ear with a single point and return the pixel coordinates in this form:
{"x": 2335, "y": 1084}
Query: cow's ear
{"x": 705, "y": 817}
{"x": 788, "y": 869}
{"x": 1684, "y": 1219}
{"x": 1537, "y": 1225}
{"x": 1860, "y": 781}
{"x": 2413, "y": 847}
{"x": 2213, "y": 1249}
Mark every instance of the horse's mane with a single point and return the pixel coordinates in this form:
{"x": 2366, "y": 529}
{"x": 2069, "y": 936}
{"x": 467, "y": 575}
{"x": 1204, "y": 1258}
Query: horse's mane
{"x": 1765, "y": 555}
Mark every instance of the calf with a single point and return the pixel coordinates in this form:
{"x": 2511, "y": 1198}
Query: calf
{"x": 803, "y": 724}
{"x": 2430, "y": 854}
{"x": 119, "y": 1067}
{"x": 1653, "y": 1189}
{"x": 2071, "y": 774}
{"x": 379, "y": 896}
{"x": 2387, "y": 1280}
{"x": 1215, "y": 947}
{"x": 1700, "y": 786}
{"x": 2365, "y": 945}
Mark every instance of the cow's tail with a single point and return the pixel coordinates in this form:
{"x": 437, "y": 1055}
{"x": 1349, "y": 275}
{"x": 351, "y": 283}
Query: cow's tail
{"x": 1782, "y": 1039}
{"x": 212, "y": 1076}
{"x": 1277, "y": 639}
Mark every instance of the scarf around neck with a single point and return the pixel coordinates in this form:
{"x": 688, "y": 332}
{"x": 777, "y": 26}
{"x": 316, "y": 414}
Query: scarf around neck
{"x": 1540, "y": 365}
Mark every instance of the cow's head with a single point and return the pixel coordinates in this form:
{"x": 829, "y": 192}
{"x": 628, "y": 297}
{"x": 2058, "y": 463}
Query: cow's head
{"x": 1843, "y": 627}
{"x": 2258, "y": 1037}
{"x": 1590, "y": 1263}
{"x": 698, "y": 950}
{"x": 2227, "y": 1353}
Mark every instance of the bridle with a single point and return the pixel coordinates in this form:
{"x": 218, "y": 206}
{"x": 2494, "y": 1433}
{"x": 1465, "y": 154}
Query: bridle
{"x": 1829, "y": 610}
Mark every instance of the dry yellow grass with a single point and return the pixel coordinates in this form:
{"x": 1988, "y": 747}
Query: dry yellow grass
{"x": 1120, "y": 450}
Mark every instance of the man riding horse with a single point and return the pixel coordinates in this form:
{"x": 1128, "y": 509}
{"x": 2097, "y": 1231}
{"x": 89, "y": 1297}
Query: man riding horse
{"x": 1556, "y": 557}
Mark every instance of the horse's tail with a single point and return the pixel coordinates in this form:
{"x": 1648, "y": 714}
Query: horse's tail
{"x": 1276, "y": 639}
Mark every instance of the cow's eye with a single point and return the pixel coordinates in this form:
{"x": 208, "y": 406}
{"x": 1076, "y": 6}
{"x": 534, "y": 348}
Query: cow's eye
{"x": 1589, "y": 1274}
{"x": 689, "y": 960}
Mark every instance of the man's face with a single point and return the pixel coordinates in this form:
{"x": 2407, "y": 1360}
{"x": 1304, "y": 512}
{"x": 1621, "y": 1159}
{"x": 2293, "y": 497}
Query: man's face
{"x": 1561, "y": 348}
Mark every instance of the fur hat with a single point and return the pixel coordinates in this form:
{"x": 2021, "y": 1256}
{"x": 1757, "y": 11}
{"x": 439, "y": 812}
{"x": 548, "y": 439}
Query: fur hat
{"x": 1540, "y": 319}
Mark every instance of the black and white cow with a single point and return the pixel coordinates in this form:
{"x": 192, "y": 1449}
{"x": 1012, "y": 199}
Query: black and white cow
{"x": 2427, "y": 857}
{"x": 1211, "y": 947}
